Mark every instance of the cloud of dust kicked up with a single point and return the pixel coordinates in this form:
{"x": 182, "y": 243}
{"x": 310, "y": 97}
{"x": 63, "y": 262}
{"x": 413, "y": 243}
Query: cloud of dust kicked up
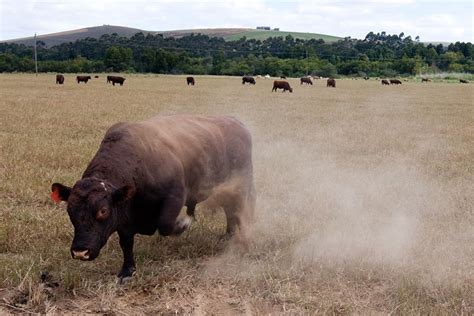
{"x": 315, "y": 212}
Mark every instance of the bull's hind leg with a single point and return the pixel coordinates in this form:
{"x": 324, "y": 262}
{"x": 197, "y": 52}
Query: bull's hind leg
{"x": 239, "y": 207}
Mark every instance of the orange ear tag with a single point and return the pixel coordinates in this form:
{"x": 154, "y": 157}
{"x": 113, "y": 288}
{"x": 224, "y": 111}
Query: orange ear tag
{"x": 55, "y": 197}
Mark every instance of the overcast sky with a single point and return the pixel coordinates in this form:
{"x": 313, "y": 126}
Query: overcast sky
{"x": 438, "y": 20}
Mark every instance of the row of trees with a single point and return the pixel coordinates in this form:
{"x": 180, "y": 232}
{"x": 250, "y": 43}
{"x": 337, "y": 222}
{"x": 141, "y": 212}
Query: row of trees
{"x": 376, "y": 55}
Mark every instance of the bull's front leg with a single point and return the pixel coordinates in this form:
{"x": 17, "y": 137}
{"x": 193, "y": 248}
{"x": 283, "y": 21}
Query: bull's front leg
{"x": 128, "y": 267}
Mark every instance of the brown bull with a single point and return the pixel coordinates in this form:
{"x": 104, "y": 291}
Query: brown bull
{"x": 280, "y": 84}
{"x": 331, "y": 83}
{"x": 59, "y": 79}
{"x": 83, "y": 79}
{"x": 144, "y": 173}
{"x": 190, "y": 81}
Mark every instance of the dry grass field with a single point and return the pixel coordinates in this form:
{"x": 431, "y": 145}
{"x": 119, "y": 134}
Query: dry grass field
{"x": 365, "y": 200}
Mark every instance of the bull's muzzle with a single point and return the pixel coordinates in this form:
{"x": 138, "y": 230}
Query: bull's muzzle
{"x": 80, "y": 254}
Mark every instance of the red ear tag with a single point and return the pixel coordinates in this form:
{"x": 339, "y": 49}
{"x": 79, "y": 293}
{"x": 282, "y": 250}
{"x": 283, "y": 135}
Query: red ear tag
{"x": 55, "y": 197}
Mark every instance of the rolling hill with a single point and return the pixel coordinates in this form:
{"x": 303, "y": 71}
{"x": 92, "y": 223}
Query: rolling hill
{"x": 228, "y": 34}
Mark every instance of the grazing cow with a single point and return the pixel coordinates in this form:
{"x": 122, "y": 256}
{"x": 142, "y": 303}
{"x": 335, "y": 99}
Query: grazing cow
{"x": 331, "y": 83}
{"x": 83, "y": 79}
{"x": 366, "y": 78}
{"x": 280, "y": 84}
{"x": 305, "y": 80}
{"x": 248, "y": 79}
{"x": 385, "y": 82}
{"x": 425, "y": 80}
{"x": 282, "y": 77}
{"x": 115, "y": 79}
{"x": 267, "y": 76}
{"x": 395, "y": 81}
{"x": 96, "y": 77}
{"x": 190, "y": 81}
{"x": 59, "y": 79}
{"x": 144, "y": 173}
{"x": 463, "y": 81}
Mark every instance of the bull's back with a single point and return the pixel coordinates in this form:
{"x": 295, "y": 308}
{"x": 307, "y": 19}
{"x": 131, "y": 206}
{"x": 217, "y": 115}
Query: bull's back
{"x": 208, "y": 149}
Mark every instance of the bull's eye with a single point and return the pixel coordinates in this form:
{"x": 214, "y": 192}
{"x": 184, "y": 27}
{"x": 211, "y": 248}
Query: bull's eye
{"x": 102, "y": 214}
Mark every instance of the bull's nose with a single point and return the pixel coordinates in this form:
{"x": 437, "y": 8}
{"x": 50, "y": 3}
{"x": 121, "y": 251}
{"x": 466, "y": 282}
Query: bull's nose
{"x": 80, "y": 254}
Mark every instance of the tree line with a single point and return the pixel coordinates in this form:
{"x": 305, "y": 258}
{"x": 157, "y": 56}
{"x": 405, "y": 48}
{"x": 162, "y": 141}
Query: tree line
{"x": 378, "y": 54}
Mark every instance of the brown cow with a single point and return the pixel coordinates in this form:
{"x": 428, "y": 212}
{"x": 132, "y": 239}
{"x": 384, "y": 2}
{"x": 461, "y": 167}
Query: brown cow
{"x": 96, "y": 77}
{"x": 83, "y": 79}
{"x": 385, "y": 82}
{"x": 425, "y": 80}
{"x": 190, "y": 81}
{"x": 248, "y": 79}
{"x": 463, "y": 81}
{"x": 280, "y": 84}
{"x": 306, "y": 80}
{"x": 331, "y": 82}
{"x": 59, "y": 79}
{"x": 395, "y": 81}
{"x": 115, "y": 79}
{"x": 144, "y": 173}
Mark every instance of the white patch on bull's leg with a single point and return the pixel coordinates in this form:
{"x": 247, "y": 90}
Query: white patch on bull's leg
{"x": 182, "y": 223}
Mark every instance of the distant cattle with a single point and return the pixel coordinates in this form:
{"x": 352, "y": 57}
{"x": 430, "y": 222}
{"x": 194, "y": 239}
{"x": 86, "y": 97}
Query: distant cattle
{"x": 395, "y": 81}
{"x": 282, "y": 77}
{"x": 279, "y": 84}
{"x": 306, "y": 80}
{"x": 96, "y": 77}
{"x": 366, "y": 78}
{"x": 115, "y": 79}
{"x": 248, "y": 79}
{"x": 190, "y": 81}
{"x": 59, "y": 79}
{"x": 385, "y": 82}
{"x": 463, "y": 81}
{"x": 267, "y": 76}
{"x": 425, "y": 80}
{"x": 331, "y": 83}
{"x": 83, "y": 79}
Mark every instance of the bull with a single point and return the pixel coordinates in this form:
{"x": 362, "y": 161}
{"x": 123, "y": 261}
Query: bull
{"x": 144, "y": 173}
{"x": 280, "y": 84}
{"x": 59, "y": 79}
{"x": 83, "y": 79}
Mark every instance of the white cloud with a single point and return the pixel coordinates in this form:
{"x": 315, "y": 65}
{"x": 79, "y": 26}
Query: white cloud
{"x": 433, "y": 20}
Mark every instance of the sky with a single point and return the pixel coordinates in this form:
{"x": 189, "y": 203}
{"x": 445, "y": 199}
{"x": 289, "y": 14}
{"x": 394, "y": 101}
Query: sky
{"x": 438, "y": 20}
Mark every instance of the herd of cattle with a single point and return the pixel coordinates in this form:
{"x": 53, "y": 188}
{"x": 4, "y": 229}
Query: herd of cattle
{"x": 85, "y": 79}
{"x": 277, "y": 84}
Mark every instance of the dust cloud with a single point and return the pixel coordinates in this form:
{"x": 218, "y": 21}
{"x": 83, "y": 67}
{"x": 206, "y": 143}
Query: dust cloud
{"x": 322, "y": 213}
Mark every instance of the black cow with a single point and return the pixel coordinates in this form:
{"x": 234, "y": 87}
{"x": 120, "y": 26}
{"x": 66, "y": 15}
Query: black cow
{"x": 425, "y": 80}
{"x": 395, "y": 81}
{"x": 280, "y": 84}
{"x": 145, "y": 172}
{"x": 385, "y": 82}
{"x": 59, "y": 79}
{"x": 463, "y": 81}
{"x": 306, "y": 80}
{"x": 83, "y": 79}
{"x": 331, "y": 83}
{"x": 190, "y": 81}
{"x": 248, "y": 79}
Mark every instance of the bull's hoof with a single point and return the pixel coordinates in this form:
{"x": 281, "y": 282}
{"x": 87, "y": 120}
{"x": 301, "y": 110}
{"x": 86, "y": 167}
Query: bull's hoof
{"x": 126, "y": 275}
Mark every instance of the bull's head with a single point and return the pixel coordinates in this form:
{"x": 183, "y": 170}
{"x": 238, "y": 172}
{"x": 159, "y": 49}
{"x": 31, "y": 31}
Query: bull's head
{"x": 93, "y": 207}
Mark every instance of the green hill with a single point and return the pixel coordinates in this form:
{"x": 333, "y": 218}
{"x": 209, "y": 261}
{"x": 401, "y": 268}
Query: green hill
{"x": 229, "y": 34}
{"x": 262, "y": 35}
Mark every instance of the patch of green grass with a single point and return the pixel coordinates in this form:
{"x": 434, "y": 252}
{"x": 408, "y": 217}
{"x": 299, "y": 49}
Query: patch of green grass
{"x": 263, "y": 35}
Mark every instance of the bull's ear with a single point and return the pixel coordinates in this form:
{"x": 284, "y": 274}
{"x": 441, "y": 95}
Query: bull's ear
{"x": 123, "y": 194}
{"x": 59, "y": 192}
